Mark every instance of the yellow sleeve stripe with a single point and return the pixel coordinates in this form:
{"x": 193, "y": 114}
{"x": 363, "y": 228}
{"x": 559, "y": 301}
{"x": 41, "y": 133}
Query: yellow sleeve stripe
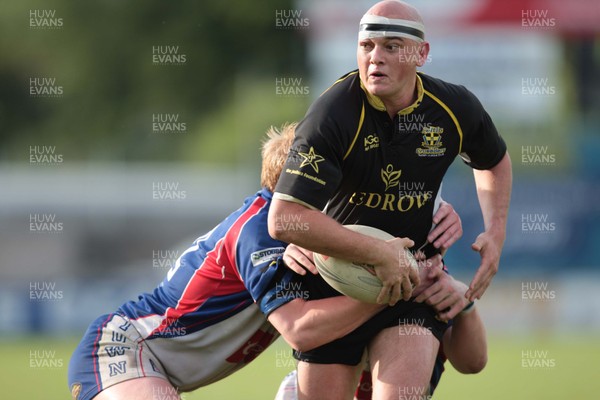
{"x": 360, "y": 123}
{"x": 292, "y": 199}
{"x": 451, "y": 114}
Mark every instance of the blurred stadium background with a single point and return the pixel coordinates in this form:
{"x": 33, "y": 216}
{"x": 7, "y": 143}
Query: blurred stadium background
{"x": 129, "y": 129}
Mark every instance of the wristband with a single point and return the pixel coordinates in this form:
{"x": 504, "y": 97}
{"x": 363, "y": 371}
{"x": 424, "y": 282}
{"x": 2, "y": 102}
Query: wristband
{"x": 469, "y": 308}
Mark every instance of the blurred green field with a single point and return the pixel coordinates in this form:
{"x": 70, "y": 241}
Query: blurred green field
{"x": 35, "y": 368}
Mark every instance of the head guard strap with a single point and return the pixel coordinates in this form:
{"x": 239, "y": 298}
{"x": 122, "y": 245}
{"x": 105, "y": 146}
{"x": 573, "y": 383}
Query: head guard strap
{"x": 372, "y": 26}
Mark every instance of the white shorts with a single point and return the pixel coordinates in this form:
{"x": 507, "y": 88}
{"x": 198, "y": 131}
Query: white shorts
{"x": 111, "y": 351}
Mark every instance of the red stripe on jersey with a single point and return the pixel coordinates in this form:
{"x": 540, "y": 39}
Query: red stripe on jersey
{"x": 95, "y": 351}
{"x": 141, "y": 359}
{"x": 210, "y": 279}
{"x": 233, "y": 235}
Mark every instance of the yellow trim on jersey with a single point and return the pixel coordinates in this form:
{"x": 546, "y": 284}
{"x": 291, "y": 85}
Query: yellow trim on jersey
{"x": 339, "y": 80}
{"x": 451, "y": 114}
{"x": 420, "y": 92}
{"x": 374, "y": 101}
{"x": 377, "y": 103}
{"x": 360, "y": 123}
{"x": 287, "y": 197}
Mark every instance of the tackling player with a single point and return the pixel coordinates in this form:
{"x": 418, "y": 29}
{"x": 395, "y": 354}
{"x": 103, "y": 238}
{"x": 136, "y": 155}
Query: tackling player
{"x": 208, "y": 318}
{"x": 374, "y": 149}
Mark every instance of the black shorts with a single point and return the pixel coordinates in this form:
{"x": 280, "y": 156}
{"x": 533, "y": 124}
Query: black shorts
{"x": 349, "y": 349}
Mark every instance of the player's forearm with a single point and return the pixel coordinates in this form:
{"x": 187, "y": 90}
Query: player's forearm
{"x": 466, "y": 347}
{"x": 319, "y": 233}
{"x": 493, "y": 190}
{"x": 309, "y": 324}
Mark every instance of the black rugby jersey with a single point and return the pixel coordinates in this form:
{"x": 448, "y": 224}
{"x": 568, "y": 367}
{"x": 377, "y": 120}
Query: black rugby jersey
{"x": 351, "y": 159}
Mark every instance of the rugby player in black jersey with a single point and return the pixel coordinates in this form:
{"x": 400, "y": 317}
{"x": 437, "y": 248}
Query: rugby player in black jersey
{"x": 374, "y": 135}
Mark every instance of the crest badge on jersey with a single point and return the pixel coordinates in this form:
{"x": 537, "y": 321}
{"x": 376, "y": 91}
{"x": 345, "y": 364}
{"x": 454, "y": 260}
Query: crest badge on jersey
{"x": 75, "y": 390}
{"x": 432, "y": 145}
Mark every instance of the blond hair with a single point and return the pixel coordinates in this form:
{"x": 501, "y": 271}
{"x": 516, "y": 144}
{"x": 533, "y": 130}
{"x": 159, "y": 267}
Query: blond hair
{"x": 275, "y": 149}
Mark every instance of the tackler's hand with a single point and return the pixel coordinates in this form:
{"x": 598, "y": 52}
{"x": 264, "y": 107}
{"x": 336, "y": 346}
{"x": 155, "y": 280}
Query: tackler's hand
{"x": 299, "y": 260}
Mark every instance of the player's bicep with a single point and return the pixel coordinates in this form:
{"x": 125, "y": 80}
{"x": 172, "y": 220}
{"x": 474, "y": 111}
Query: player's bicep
{"x": 285, "y": 314}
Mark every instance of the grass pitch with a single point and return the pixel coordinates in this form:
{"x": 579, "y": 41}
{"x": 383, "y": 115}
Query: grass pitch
{"x": 528, "y": 368}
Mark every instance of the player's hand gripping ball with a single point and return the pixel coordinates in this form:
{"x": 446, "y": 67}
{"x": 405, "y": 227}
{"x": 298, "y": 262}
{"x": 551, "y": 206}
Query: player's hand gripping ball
{"x": 353, "y": 279}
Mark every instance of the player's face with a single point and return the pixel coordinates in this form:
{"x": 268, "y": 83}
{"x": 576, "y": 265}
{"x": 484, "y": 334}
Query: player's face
{"x": 387, "y": 64}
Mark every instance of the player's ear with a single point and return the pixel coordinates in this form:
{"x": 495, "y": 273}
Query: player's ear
{"x": 423, "y": 54}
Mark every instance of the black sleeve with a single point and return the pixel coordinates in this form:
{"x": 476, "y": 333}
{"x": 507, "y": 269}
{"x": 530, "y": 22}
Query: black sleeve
{"x": 483, "y": 147}
{"x": 313, "y": 170}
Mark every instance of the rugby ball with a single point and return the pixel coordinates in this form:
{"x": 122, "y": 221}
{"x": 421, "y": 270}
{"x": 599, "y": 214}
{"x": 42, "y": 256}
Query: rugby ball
{"x": 354, "y": 279}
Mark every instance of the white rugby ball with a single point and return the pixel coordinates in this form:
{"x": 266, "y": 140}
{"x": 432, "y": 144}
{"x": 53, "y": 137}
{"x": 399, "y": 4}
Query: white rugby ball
{"x": 354, "y": 279}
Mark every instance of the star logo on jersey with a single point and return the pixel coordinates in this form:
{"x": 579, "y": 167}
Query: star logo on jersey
{"x": 390, "y": 177}
{"x": 311, "y": 158}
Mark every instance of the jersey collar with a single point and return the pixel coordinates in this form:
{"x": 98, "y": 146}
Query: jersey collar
{"x": 266, "y": 193}
{"x": 377, "y": 103}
